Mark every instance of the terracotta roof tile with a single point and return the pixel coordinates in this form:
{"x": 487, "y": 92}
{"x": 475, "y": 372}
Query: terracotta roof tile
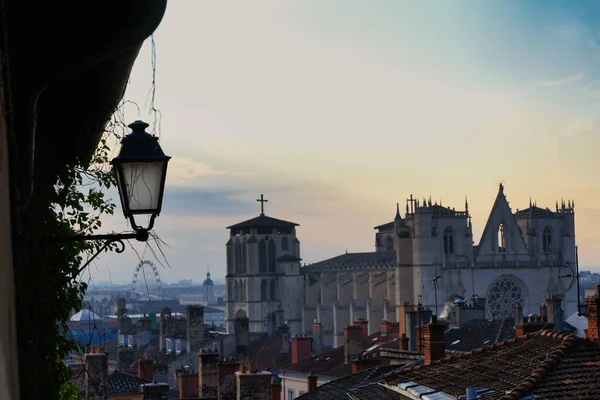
{"x": 266, "y": 352}
{"x": 331, "y": 363}
{"x": 477, "y": 333}
{"x": 338, "y": 388}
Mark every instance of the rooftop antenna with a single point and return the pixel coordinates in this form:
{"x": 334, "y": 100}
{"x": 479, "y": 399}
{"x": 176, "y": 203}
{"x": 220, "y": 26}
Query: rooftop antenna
{"x": 574, "y": 275}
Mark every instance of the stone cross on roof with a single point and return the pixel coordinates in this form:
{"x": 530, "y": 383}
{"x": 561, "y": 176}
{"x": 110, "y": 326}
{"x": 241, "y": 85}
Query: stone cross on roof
{"x": 262, "y": 201}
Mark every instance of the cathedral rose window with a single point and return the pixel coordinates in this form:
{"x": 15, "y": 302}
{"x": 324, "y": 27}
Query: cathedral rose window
{"x": 503, "y": 296}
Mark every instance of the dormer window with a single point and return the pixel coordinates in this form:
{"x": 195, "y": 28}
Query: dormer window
{"x": 547, "y": 240}
{"x": 448, "y": 241}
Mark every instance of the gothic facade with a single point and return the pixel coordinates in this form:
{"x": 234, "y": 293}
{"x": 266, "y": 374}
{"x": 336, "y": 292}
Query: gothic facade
{"x": 427, "y": 258}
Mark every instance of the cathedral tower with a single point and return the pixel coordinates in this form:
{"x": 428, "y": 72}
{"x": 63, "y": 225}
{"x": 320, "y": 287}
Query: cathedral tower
{"x": 263, "y": 274}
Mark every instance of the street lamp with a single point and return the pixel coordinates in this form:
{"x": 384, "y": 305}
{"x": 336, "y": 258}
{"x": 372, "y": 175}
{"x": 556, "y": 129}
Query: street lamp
{"x": 141, "y": 170}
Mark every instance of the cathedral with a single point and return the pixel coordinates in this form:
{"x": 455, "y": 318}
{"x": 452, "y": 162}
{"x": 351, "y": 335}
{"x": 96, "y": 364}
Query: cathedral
{"x": 426, "y": 257}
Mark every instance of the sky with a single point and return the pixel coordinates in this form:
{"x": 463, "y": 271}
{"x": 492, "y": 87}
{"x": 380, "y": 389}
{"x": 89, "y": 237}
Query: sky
{"x": 338, "y": 109}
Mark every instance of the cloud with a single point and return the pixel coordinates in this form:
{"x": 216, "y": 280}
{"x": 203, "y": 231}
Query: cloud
{"x": 203, "y": 201}
{"x": 183, "y": 171}
{"x": 569, "y": 80}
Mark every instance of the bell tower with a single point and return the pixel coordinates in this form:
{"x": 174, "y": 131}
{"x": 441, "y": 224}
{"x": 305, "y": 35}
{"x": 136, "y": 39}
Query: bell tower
{"x": 263, "y": 272}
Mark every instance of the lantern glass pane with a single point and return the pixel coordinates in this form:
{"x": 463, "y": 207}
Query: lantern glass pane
{"x": 143, "y": 182}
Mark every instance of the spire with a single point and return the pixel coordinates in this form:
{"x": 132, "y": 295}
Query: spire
{"x": 530, "y": 204}
{"x": 406, "y": 213}
{"x": 556, "y": 205}
{"x": 466, "y": 205}
{"x": 398, "y": 217}
{"x": 569, "y": 204}
{"x": 501, "y": 189}
{"x": 573, "y": 204}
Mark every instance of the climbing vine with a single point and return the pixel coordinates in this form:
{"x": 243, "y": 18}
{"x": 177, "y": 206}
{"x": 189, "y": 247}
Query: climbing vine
{"x": 77, "y": 208}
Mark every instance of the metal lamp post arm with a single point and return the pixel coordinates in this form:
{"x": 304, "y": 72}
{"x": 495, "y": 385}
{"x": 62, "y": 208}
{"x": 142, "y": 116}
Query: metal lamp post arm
{"x": 140, "y": 235}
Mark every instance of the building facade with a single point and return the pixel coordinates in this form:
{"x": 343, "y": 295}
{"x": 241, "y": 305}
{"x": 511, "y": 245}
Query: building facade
{"x": 427, "y": 258}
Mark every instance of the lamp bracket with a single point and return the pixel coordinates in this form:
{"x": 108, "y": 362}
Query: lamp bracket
{"x": 140, "y": 234}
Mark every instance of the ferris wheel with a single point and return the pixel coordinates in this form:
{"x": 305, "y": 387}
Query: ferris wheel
{"x": 146, "y": 282}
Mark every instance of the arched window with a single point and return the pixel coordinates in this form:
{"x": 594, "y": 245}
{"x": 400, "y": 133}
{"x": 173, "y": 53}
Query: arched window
{"x": 448, "y": 241}
{"x": 243, "y": 286}
{"x": 389, "y": 243}
{"x": 272, "y": 290}
{"x": 230, "y": 264}
{"x": 262, "y": 256}
{"x": 238, "y": 257}
{"x": 547, "y": 239}
{"x": 501, "y": 238}
{"x": 234, "y": 295}
{"x": 284, "y": 243}
{"x": 272, "y": 260}
{"x": 264, "y": 290}
{"x": 244, "y": 268}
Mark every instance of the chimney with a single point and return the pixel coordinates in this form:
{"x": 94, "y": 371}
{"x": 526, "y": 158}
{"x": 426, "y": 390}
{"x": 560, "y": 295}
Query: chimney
{"x": 226, "y": 378}
{"x": 389, "y": 328}
{"x": 404, "y": 342}
{"x": 126, "y": 360}
{"x": 194, "y": 326}
{"x": 96, "y": 375}
{"x": 401, "y": 311}
{"x": 593, "y": 303}
{"x": 317, "y": 337}
{"x": 253, "y": 384}
{"x": 531, "y": 325}
{"x": 364, "y": 363}
{"x": 121, "y": 307}
{"x": 284, "y": 345}
{"x": 432, "y": 340}
{"x": 144, "y": 331}
{"x": 414, "y": 319}
{"x": 544, "y": 311}
{"x": 165, "y": 313}
{"x": 208, "y": 379}
{"x": 188, "y": 385}
{"x": 275, "y": 388}
{"x": 155, "y": 391}
{"x": 517, "y": 313}
{"x": 311, "y": 381}
{"x": 364, "y": 325}
{"x": 124, "y": 325}
{"x": 301, "y": 348}
{"x": 555, "y": 312}
{"x": 146, "y": 369}
{"x": 353, "y": 343}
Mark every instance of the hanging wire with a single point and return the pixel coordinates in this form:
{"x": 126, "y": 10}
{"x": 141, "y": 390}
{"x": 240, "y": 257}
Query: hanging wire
{"x": 156, "y": 114}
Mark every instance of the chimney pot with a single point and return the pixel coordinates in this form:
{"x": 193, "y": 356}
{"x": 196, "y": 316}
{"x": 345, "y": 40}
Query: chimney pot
{"x": 301, "y": 348}
{"x": 432, "y": 340}
{"x": 593, "y": 317}
{"x": 364, "y": 325}
{"x": 311, "y": 381}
